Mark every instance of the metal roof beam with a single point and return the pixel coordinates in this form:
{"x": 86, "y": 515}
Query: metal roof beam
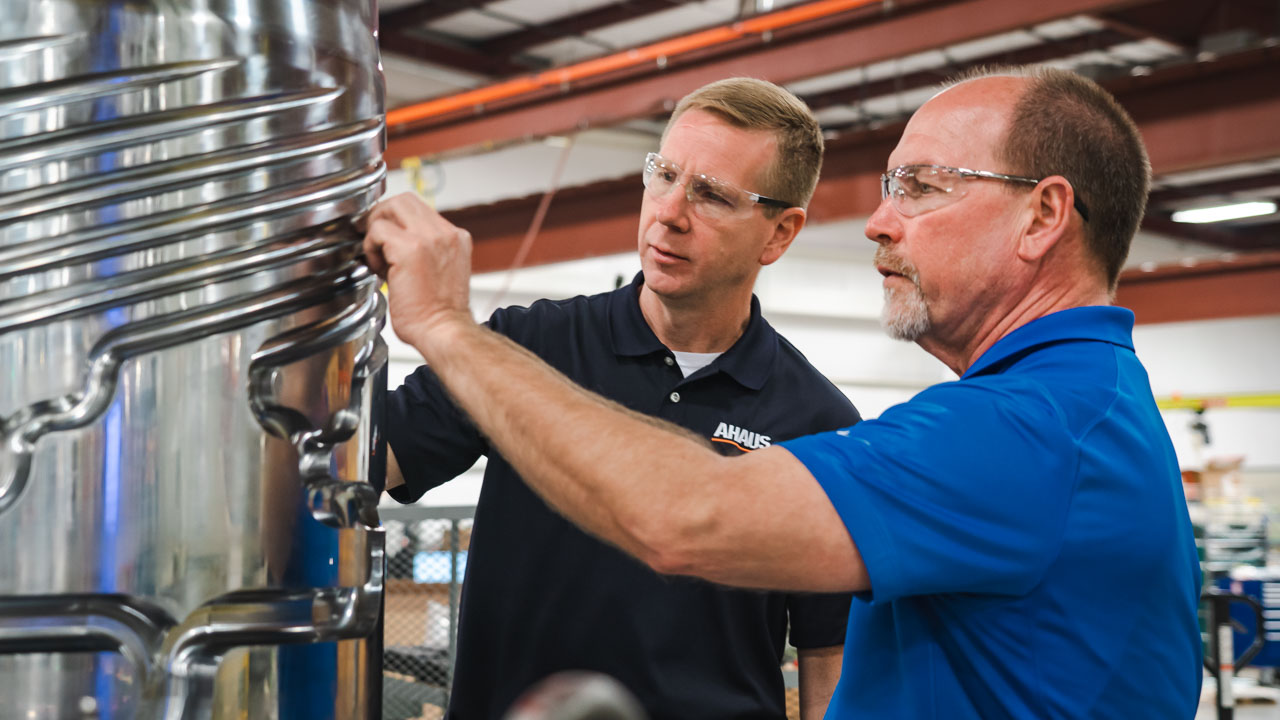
{"x": 1232, "y": 120}
{"x": 426, "y": 11}
{"x": 782, "y": 61}
{"x": 1207, "y": 114}
{"x": 1252, "y": 184}
{"x": 457, "y": 57}
{"x": 1242, "y": 239}
{"x": 582, "y": 221}
{"x": 1186, "y": 22}
{"x": 1023, "y": 56}
{"x": 1241, "y": 287}
{"x": 575, "y": 25}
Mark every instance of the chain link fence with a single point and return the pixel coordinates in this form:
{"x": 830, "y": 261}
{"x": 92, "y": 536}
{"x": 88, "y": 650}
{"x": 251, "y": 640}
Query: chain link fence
{"x": 426, "y": 559}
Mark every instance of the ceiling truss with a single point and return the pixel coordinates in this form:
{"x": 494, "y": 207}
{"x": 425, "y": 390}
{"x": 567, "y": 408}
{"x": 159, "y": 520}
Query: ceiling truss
{"x": 1213, "y": 100}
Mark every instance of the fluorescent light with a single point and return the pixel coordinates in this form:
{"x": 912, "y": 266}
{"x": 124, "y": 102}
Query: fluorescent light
{"x": 1224, "y": 212}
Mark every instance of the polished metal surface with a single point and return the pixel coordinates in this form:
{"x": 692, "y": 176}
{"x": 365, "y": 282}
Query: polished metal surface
{"x": 189, "y": 354}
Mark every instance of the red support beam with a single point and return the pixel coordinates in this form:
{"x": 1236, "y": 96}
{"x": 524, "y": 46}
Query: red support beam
{"x": 1208, "y": 114}
{"x": 426, "y": 11}
{"x": 577, "y": 225}
{"x": 1268, "y": 182}
{"x": 575, "y": 25}
{"x": 1241, "y": 238}
{"x": 782, "y": 62}
{"x": 458, "y": 58}
{"x": 584, "y": 221}
{"x": 601, "y": 219}
{"x": 1185, "y": 22}
{"x": 1246, "y": 286}
{"x": 1049, "y": 50}
{"x": 851, "y": 168}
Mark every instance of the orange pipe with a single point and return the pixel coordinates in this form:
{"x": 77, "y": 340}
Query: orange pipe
{"x": 617, "y": 61}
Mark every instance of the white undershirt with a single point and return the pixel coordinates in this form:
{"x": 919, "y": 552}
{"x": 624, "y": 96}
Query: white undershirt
{"x": 691, "y": 363}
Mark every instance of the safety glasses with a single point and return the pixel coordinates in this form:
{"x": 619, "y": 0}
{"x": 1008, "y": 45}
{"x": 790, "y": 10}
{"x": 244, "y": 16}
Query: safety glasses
{"x": 917, "y": 189}
{"x": 708, "y": 196}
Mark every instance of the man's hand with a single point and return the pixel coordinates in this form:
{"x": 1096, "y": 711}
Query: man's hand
{"x": 426, "y": 261}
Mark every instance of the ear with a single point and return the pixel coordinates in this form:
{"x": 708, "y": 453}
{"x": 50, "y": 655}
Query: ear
{"x": 785, "y": 228}
{"x": 1051, "y": 207}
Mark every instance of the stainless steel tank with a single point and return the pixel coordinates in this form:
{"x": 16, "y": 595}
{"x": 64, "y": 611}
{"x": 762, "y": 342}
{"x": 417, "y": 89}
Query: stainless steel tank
{"x": 189, "y": 356}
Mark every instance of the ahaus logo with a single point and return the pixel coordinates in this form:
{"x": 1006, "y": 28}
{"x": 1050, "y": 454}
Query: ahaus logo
{"x": 741, "y": 438}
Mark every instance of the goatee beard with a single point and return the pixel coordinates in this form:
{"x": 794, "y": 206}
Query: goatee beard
{"x": 905, "y": 315}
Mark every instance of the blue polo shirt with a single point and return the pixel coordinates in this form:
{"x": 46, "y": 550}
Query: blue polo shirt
{"x": 1026, "y": 536}
{"x": 541, "y": 596}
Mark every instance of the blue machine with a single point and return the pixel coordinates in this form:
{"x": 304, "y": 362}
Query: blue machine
{"x": 1266, "y": 590}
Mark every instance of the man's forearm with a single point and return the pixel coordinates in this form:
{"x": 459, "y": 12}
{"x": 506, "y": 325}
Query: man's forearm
{"x": 761, "y": 520}
{"x": 654, "y": 490}
{"x": 819, "y": 674}
{"x": 540, "y": 410}
{"x": 395, "y": 476}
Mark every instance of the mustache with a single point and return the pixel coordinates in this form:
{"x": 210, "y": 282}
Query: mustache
{"x": 896, "y": 264}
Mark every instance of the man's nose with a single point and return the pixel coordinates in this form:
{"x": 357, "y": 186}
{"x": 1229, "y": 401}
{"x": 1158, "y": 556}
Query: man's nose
{"x": 885, "y": 224}
{"x": 675, "y": 205}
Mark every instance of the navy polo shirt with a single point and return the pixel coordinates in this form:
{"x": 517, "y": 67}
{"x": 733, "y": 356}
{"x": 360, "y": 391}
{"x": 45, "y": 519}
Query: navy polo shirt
{"x": 541, "y": 596}
{"x": 1026, "y": 536}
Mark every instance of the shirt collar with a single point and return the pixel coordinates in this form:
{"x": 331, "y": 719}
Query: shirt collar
{"x": 1098, "y": 323}
{"x": 749, "y": 361}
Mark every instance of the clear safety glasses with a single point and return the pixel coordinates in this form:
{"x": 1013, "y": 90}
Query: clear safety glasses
{"x": 708, "y": 197}
{"x": 917, "y": 189}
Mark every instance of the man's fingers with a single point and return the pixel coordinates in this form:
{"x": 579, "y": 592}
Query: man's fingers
{"x": 388, "y": 241}
{"x": 404, "y": 233}
{"x": 372, "y": 249}
{"x": 384, "y": 210}
{"x": 410, "y": 212}
{"x": 405, "y": 210}
{"x": 381, "y": 231}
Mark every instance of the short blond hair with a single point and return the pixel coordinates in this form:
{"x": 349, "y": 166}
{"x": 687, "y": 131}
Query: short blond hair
{"x": 754, "y": 104}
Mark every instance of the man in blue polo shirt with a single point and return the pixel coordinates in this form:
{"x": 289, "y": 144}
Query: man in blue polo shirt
{"x": 684, "y": 342}
{"x": 1018, "y": 537}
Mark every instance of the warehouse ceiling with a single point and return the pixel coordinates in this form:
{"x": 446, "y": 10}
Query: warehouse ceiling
{"x": 1201, "y": 77}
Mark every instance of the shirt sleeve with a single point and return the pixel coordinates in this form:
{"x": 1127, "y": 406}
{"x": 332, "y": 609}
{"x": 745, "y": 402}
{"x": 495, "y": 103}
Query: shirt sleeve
{"x": 432, "y": 438}
{"x": 818, "y": 620}
{"x": 963, "y": 489}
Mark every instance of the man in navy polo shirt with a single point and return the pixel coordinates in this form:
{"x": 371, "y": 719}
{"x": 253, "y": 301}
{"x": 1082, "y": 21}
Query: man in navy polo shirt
{"x": 1018, "y": 537}
{"x": 684, "y": 342}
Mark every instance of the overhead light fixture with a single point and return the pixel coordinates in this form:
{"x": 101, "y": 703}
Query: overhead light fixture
{"x": 1218, "y": 213}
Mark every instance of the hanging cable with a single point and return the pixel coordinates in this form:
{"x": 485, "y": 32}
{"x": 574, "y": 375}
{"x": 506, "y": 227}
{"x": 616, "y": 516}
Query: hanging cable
{"x": 534, "y": 227}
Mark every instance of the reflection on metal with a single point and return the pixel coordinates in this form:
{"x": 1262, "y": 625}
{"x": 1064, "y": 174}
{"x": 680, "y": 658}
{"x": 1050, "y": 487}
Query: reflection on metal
{"x": 189, "y": 347}
{"x": 332, "y": 501}
{"x": 83, "y": 623}
{"x": 191, "y": 651}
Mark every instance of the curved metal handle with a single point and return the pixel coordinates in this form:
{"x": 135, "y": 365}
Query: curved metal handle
{"x": 125, "y": 624}
{"x": 20, "y": 431}
{"x": 1220, "y": 613}
{"x": 334, "y": 502}
{"x": 192, "y": 651}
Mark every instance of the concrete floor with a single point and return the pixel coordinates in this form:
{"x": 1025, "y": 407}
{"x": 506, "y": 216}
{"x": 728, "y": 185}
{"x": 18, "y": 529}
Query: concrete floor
{"x": 1254, "y": 702}
{"x": 1242, "y": 712}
